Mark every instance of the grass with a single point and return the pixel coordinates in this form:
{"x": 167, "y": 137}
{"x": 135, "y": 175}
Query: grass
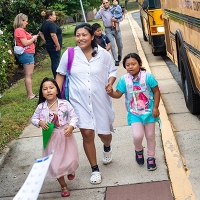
{"x": 131, "y": 6}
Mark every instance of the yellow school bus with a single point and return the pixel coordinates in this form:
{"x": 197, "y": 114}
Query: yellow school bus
{"x": 152, "y": 25}
{"x": 182, "y": 35}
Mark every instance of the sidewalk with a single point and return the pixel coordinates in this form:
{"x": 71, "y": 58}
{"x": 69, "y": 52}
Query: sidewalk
{"x": 122, "y": 171}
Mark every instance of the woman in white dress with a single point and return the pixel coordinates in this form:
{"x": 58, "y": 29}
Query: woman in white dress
{"x": 93, "y": 71}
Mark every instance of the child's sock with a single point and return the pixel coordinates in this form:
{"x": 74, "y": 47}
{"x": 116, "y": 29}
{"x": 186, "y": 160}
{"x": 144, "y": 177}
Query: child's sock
{"x": 95, "y": 168}
{"x": 106, "y": 149}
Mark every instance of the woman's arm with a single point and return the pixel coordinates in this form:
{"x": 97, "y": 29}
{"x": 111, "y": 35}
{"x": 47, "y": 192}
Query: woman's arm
{"x": 55, "y": 40}
{"x": 60, "y": 80}
{"x": 155, "y": 111}
{"x": 42, "y": 36}
{"x": 26, "y": 42}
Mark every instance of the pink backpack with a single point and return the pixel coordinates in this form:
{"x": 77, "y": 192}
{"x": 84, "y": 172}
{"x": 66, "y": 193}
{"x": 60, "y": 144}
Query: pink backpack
{"x": 136, "y": 103}
{"x": 65, "y": 86}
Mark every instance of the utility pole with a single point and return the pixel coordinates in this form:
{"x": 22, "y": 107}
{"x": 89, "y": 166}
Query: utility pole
{"x": 83, "y": 11}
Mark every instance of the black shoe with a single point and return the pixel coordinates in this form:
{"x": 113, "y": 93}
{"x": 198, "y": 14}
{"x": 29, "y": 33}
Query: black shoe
{"x": 119, "y": 58}
{"x": 139, "y": 157}
{"x": 116, "y": 63}
{"x": 151, "y": 164}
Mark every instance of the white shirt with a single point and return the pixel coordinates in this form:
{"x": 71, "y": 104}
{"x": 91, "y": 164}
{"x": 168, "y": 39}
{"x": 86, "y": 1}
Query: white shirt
{"x": 87, "y": 92}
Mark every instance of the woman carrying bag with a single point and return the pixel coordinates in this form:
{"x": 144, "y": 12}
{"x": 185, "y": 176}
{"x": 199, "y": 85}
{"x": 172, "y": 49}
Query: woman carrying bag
{"x": 25, "y": 39}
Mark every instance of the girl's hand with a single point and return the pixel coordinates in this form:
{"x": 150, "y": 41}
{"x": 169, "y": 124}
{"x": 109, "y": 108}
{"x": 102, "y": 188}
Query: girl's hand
{"x": 109, "y": 88}
{"x": 155, "y": 112}
{"x": 43, "y": 125}
{"x": 68, "y": 131}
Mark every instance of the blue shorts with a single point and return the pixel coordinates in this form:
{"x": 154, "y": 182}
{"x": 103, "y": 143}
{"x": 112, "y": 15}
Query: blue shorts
{"x": 26, "y": 58}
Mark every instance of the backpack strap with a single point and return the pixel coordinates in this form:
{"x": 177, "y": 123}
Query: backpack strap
{"x": 70, "y": 59}
{"x": 64, "y": 90}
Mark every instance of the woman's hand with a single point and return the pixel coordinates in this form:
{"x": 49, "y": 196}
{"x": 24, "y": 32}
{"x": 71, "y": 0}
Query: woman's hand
{"x": 35, "y": 37}
{"x": 68, "y": 131}
{"x": 43, "y": 125}
{"x": 57, "y": 48}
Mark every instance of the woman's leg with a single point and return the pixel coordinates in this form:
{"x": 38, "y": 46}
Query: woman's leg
{"x": 89, "y": 145}
{"x": 150, "y": 137}
{"x": 138, "y": 135}
{"x": 28, "y": 69}
{"x": 55, "y": 58}
{"x": 106, "y": 139}
{"x": 107, "y": 150}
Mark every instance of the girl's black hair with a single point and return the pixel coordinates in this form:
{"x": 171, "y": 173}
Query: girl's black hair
{"x": 95, "y": 26}
{"x": 89, "y": 28}
{"x": 41, "y": 98}
{"x": 136, "y": 56}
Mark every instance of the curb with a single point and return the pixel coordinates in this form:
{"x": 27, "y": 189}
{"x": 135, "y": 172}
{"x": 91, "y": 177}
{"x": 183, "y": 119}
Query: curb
{"x": 6, "y": 151}
{"x": 181, "y": 186}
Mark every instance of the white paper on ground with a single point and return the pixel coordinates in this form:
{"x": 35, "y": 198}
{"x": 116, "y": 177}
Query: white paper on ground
{"x": 33, "y": 184}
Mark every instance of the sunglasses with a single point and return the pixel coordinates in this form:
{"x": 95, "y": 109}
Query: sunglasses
{"x": 105, "y": 3}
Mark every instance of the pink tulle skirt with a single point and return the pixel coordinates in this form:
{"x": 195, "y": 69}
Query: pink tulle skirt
{"x": 65, "y": 159}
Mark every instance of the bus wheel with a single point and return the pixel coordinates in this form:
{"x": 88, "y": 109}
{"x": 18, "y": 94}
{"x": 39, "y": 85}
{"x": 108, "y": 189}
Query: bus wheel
{"x": 144, "y": 36}
{"x": 192, "y": 100}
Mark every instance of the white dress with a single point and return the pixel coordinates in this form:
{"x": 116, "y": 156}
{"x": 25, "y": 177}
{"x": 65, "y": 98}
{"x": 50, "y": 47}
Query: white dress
{"x": 87, "y": 92}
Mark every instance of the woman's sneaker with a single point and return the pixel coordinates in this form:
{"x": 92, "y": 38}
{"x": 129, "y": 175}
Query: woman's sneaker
{"x": 151, "y": 164}
{"x": 139, "y": 157}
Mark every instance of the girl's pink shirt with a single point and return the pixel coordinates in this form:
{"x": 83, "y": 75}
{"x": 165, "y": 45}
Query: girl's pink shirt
{"x": 66, "y": 114}
{"x": 21, "y": 33}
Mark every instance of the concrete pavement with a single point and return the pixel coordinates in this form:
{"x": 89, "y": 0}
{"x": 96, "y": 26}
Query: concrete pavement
{"x": 123, "y": 170}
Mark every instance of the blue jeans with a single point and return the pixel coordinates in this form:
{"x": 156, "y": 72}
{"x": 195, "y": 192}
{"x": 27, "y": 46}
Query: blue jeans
{"x": 111, "y": 34}
{"x": 55, "y": 59}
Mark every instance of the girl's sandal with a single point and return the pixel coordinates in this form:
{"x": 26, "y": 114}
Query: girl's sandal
{"x": 71, "y": 176}
{"x": 65, "y": 192}
{"x": 95, "y": 178}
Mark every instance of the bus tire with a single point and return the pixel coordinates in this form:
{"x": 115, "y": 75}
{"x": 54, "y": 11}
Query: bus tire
{"x": 144, "y": 36}
{"x": 191, "y": 99}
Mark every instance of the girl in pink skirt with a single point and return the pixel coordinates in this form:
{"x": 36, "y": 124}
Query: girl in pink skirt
{"x": 51, "y": 108}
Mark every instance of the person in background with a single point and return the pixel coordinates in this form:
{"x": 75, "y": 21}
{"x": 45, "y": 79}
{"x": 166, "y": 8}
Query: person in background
{"x": 142, "y": 101}
{"x": 52, "y": 109}
{"x": 25, "y": 39}
{"x": 105, "y": 14}
{"x": 123, "y": 11}
{"x": 116, "y": 11}
{"x": 92, "y": 71}
{"x": 100, "y": 38}
{"x": 52, "y": 36}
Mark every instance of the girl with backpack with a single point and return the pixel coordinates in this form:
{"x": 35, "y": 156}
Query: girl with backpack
{"x": 142, "y": 100}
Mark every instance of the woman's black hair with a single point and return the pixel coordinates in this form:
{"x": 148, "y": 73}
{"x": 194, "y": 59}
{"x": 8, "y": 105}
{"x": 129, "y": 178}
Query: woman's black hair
{"x": 41, "y": 98}
{"x": 136, "y": 56}
{"x": 89, "y": 28}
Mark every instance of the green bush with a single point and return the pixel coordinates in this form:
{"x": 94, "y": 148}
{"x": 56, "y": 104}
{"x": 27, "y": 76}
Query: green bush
{"x": 7, "y": 59}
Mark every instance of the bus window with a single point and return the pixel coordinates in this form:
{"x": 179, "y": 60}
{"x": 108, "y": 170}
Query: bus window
{"x": 154, "y": 4}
